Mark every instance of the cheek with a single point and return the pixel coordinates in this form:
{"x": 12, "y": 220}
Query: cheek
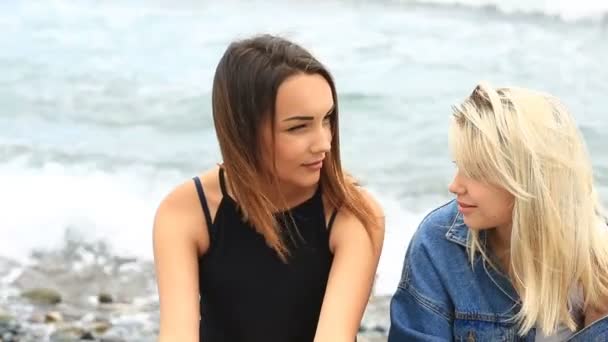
{"x": 498, "y": 210}
{"x": 287, "y": 152}
{"x": 501, "y": 214}
{"x": 507, "y": 213}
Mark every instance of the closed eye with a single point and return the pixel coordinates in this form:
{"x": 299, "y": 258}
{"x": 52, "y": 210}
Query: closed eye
{"x": 295, "y": 128}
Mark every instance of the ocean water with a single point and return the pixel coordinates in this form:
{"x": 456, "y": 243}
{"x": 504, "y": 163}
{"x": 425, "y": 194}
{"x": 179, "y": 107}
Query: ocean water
{"x": 105, "y": 106}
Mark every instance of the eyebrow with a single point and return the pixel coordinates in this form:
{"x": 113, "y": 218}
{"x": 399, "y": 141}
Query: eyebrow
{"x": 308, "y": 118}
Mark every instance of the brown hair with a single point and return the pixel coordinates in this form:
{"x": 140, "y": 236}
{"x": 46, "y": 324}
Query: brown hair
{"x": 244, "y": 93}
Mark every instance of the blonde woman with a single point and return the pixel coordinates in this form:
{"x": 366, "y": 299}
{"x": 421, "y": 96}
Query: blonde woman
{"x": 521, "y": 254}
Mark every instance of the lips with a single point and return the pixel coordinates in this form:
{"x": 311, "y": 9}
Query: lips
{"x": 466, "y": 208}
{"x": 466, "y": 205}
{"x": 314, "y": 162}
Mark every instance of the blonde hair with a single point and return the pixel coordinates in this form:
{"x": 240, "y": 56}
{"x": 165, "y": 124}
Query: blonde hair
{"x": 528, "y": 143}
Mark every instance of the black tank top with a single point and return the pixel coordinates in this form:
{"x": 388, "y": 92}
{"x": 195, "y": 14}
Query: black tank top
{"x": 247, "y": 294}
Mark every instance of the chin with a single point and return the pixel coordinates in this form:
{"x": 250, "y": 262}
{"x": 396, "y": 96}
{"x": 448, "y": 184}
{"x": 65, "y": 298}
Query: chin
{"x": 301, "y": 182}
{"x": 477, "y": 226}
{"x": 307, "y": 182}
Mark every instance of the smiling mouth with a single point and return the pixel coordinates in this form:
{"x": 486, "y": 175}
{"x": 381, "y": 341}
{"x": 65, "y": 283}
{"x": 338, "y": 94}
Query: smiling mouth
{"x": 316, "y": 166}
{"x": 466, "y": 209}
{"x": 314, "y": 163}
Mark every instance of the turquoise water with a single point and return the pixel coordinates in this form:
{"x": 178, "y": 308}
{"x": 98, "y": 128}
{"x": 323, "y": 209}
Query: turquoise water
{"x": 105, "y": 106}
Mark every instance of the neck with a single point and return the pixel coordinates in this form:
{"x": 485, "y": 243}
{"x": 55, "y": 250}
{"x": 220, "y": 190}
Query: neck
{"x": 290, "y": 196}
{"x": 284, "y": 196}
{"x": 499, "y": 240}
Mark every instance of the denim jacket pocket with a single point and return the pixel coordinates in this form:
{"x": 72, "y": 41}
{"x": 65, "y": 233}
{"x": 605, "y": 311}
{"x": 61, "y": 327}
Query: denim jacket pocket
{"x": 480, "y": 330}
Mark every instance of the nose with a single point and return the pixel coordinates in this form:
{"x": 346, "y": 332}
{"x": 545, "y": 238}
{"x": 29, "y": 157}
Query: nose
{"x": 321, "y": 142}
{"x": 456, "y": 186}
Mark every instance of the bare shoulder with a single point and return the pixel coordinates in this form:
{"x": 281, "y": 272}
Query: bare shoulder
{"x": 372, "y": 202}
{"x": 348, "y": 228}
{"x": 369, "y": 198}
{"x": 180, "y": 215}
{"x": 180, "y": 237}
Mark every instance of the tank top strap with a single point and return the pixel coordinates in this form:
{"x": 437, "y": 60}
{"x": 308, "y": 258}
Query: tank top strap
{"x": 203, "y": 200}
{"x": 332, "y": 218}
{"x": 223, "y": 183}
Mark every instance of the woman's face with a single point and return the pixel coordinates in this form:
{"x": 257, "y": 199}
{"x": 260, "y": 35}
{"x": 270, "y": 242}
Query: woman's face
{"x": 302, "y": 130}
{"x": 482, "y": 205}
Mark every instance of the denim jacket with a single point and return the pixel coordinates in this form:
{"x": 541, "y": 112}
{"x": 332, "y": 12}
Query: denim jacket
{"x": 442, "y": 297}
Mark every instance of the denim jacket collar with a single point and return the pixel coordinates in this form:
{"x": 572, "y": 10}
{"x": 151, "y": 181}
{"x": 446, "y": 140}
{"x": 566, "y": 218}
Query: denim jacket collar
{"x": 459, "y": 234}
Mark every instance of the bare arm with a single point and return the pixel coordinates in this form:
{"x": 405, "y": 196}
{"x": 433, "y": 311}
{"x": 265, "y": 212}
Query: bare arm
{"x": 351, "y": 277}
{"x": 177, "y": 226}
